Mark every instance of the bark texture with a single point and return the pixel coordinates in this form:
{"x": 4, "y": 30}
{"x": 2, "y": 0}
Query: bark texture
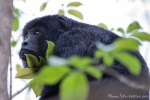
{"x": 6, "y": 17}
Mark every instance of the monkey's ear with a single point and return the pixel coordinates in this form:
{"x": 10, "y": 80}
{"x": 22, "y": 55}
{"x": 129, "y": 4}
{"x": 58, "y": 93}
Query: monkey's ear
{"x": 63, "y": 23}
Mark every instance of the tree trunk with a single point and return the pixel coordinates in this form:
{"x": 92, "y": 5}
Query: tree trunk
{"x": 6, "y": 17}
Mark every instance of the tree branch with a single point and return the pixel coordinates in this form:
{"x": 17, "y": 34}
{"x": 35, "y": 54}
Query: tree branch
{"x": 126, "y": 81}
{"x": 18, "y": 92}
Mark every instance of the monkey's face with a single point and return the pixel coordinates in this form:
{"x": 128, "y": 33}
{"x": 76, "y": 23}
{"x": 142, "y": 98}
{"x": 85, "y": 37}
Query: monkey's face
{"x": 37, "y": 31}
{"x": 34, "y": 42}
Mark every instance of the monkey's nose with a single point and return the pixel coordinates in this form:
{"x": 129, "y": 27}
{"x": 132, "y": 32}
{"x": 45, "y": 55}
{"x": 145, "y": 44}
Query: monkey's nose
{"x": 24, "y": 43}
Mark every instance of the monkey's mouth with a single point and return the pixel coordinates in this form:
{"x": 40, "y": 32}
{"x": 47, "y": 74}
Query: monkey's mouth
{"x": 25, "y": 51}
{"x": 23, "y": 57}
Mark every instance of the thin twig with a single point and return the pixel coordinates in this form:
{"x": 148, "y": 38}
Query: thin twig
{"x": 10, "y": 76}
{"x": 126, "y": 81}
{"x": 18, "y": 92}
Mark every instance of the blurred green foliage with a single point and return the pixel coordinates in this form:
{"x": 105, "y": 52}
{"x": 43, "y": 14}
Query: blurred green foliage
{"x": 71, "y": 72}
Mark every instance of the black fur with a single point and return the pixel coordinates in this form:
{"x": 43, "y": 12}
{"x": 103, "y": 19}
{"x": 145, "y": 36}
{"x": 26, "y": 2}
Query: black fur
{"x": 72, "y": 37}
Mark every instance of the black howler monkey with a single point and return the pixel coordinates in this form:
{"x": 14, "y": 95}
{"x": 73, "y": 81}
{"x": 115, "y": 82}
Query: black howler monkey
{"x": 76, "y": 38}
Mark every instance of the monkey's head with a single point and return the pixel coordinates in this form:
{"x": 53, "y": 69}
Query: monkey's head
{"x": 37, "y": 31}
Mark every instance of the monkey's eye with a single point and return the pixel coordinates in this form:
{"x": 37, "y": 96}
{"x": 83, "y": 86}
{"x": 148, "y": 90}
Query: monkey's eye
{"x": 36, "y": 33}
{"x": 26, "y": 36}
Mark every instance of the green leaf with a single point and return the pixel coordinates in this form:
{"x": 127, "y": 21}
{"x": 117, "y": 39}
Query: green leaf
{"x": 74, "y": 4}
{"x": 61, "y": 12}
{"x": 50, "y": 75}
{"x": 43, "y": 6}
{"x": 131, "y": 62}
{"x": 76, "y": 13}
{"x": 120, "y": 30}
{"x": 143, "y": 36}
{"x": 74, "y": 61}
{"x": 32, "y": 61}
{"x": 108, "y": 59}
{"x": 16, "y": 10}
{"x": 50, "y": 48}
{"x": 18, "y": 67}
{"x": 15, "y": 24}
{"x": 78, "y": 62}
{"x": 13, "y": 43}
{"x": 38, "y": 89}
{"x": 126, "y": 44}
{"x": 93, "y": 71}
{"x": 85, "y": 61}
{"x": 42, "y": 61}
{"x": 98, "y": 54}
{"x": 74, "y": 87}
{"x": 133, "y": 26}
{"x": 102, "y": 25}
{"x": 25, "y": 73}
